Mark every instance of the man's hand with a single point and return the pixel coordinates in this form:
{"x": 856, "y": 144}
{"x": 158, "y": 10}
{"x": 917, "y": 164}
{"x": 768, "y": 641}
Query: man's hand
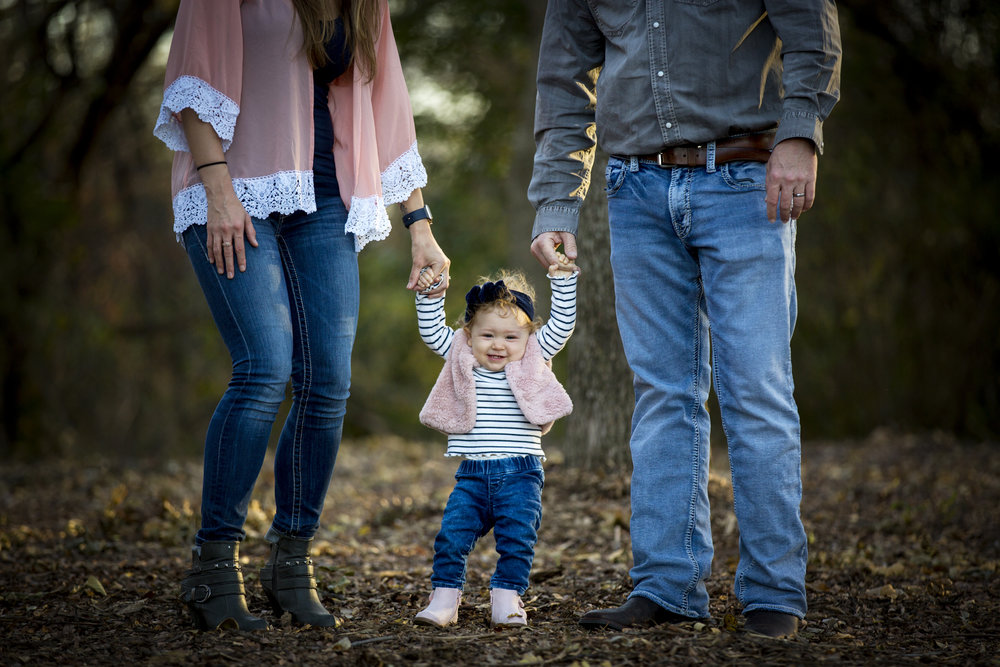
{"x": 545, "y": 246}
{"x": 791, "y": 179}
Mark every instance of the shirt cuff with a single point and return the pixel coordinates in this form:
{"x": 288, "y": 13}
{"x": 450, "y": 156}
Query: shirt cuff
{"x": 801, "y": 125}
{"x": 563, "y": 281}
{"x": 423, "y": 298}
{"x": 556, "y": 219}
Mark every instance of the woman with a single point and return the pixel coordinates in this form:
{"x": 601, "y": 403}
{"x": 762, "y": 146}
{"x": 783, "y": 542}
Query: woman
{"x": 292, "y": 130}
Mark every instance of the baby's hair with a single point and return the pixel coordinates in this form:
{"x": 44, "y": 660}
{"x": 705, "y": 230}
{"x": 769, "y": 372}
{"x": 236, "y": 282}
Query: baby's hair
{"x": 504, "y": 303}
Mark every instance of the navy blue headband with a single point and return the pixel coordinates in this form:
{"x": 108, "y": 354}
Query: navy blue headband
{"x": 491, "y": 293}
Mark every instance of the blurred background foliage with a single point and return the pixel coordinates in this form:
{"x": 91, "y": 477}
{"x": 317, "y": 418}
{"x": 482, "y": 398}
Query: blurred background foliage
{"x": 109, "y": 348}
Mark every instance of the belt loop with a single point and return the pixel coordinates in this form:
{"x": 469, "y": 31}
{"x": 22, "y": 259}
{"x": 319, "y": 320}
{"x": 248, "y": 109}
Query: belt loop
{"x": 710, "y": 157}
{"x": 633, "y": 163}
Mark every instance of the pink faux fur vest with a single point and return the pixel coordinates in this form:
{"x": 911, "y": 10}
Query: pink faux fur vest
{"x": 451, "y": 406}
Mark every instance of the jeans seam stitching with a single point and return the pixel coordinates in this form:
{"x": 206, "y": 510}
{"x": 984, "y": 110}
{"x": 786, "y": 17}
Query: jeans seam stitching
{"x": 230, "y": 309}
{"x": 293, "y": 284}
{"x": 696, "y": 460}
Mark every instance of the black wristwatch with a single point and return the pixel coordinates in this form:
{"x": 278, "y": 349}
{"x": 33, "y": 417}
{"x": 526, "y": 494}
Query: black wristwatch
{"x": 423, "y": 213}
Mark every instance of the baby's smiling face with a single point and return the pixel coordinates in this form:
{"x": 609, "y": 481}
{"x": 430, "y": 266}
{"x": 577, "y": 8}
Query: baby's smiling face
{"x": 499, "y": 336}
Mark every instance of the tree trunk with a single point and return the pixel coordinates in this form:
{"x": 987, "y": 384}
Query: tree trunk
{"x": 600, "y": 382}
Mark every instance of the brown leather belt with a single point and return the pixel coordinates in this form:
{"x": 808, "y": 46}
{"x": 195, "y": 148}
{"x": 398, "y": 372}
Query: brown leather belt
{"x": 753, "y": 147}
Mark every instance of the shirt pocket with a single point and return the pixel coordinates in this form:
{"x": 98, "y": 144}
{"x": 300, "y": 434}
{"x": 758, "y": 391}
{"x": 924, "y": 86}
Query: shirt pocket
{"x": 613, "y": 15}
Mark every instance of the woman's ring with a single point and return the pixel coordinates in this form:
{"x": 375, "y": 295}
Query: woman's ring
{"x": 798, "y": 194}
{"x": 226, "y": 244}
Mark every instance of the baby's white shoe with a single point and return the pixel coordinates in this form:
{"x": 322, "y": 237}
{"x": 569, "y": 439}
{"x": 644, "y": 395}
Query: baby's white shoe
{"x": 507, "y": 607}
{"x": 443, "y": 608}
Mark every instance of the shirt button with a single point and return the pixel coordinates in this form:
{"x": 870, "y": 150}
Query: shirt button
{"x": 660, "y": 73}
{"x": 656, "y": 24}
{"x": 669, "y": 125}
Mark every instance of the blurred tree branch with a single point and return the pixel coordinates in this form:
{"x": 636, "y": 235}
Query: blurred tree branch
{"x": 39, "y": 31}
{"x": 58, "y": 96}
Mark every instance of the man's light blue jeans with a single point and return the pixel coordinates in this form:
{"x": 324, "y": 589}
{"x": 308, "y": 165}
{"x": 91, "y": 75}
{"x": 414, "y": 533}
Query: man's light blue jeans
{"x": 705, "y": 292}
{"x": 291, "y": 316}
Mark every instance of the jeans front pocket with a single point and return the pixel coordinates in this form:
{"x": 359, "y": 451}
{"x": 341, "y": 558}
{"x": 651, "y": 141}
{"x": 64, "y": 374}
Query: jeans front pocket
{"x": 614, "y": 175}
{"x": 743, "y": 175}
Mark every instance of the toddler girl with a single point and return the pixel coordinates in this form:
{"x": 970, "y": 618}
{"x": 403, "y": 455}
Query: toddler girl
{"x": 495, "y": 398}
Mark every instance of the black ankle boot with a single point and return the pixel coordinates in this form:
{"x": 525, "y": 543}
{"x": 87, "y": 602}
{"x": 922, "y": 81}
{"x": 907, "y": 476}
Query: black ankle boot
{"x": 768, "y": 623}
{"x": 213, "y": 589}
{"x": 290, "y": 584}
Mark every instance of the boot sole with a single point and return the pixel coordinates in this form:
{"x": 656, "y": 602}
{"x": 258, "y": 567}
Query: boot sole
{"x": 420, "y": 620}
{"x": 227, "y": 623}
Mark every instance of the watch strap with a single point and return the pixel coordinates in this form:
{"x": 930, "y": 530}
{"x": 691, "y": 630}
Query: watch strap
{"x": 422, "y": 213}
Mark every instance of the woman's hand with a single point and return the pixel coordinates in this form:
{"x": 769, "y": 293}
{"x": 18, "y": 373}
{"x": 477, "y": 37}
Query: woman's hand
{"x": 228, "y": 222}
{"x": 429, "y": 259}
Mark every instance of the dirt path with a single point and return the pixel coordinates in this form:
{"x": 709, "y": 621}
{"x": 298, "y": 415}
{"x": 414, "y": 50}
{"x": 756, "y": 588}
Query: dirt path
{"x": 904, "y": 549}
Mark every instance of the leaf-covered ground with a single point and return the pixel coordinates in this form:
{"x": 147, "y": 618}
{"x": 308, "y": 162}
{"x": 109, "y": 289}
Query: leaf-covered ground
{"x": 904, "y": 547}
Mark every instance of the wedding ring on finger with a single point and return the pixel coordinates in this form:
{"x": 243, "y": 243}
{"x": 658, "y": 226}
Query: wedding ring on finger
{"x": 798, "y": 194}
{"x": 226, "y": 244}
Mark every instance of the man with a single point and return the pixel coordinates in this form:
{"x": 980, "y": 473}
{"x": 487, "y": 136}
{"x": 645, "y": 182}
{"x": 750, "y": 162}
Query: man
{"x": 712, "y": 113}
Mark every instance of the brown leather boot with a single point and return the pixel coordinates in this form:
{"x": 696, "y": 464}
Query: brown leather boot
{"x": 213, "y": 589}
{"x": 290, "y": 583}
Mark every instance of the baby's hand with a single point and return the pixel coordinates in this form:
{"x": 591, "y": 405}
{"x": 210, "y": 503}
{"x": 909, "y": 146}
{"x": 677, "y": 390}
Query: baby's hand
{"x": 426, "y": 281}
{"x": 563, "y": 267}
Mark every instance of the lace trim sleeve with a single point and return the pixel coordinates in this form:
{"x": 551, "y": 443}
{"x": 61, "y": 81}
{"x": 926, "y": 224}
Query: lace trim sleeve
{"x": 403, "y": 176}
{"x": 211, "y": 106}
{"x": 368, "y": 220}
{"x": 284, "y": 192}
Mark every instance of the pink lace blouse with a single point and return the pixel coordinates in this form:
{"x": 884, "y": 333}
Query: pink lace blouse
{"x": 240, "y": 65}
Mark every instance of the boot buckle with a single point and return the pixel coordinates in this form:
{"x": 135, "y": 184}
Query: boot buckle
{"x": 191, "y": 594}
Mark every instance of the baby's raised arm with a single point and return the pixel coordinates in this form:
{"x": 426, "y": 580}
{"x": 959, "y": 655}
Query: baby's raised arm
{"x": 553, "y": 335}
{"x": 431, "y": 324}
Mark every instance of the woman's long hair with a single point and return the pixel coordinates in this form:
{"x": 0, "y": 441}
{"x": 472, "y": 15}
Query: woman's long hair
{"x": 362, "y": 22}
